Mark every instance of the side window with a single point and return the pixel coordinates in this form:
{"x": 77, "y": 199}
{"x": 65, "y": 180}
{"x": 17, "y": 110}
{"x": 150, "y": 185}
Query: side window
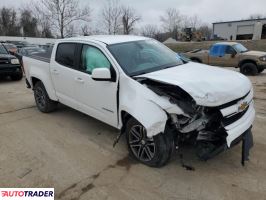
{"x": 91, "y": 58}
{"x": 230, "y": 50}
{"x": 65, "y": 54}
{"x": 217, "y": 50}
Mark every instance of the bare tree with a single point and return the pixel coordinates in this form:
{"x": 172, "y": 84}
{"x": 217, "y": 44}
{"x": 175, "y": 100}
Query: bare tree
{"x": 70, "y": 31}
{"x": 8, "y": 22}
{"x": 171, "y": 20}
{"x": 191, "y": 22}
{"x": 129, "y": 19}
{"x": 205, "y": 31}
{"x": 150, "y": 31}
{"x": 85, "y": 30}
{"x": 62, "y": 13}
{"x": 28, "y": 24}
{"x": 111, "y": 15}
{"x": 44, "y": 24}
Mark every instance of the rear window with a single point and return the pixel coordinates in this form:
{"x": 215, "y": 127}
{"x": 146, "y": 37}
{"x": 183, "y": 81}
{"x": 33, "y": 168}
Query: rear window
{"x": 65, "y": 54}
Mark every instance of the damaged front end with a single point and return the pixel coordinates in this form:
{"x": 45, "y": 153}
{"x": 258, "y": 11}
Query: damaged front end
{"x": 211, "y": 129}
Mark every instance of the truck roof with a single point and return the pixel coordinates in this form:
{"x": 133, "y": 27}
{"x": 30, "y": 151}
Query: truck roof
{"x": 108, "y": 39}
{"x": 227, "y": 43}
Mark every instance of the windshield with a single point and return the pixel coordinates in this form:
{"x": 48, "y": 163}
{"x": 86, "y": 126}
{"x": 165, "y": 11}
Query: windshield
{"x": 3, "y": 49}
{"x": 140, "y": 57}
{"x": 240, "y": 48}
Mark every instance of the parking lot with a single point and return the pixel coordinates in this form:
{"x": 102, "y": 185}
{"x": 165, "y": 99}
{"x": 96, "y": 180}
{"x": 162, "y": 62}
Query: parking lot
{"x": 73, "y": 153}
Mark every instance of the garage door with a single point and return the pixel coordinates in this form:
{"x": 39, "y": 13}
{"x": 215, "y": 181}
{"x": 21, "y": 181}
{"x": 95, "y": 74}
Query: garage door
{"x": 245, "y": 29}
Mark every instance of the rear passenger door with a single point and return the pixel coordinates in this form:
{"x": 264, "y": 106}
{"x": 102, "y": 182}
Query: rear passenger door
{"x": 62, "y": 71}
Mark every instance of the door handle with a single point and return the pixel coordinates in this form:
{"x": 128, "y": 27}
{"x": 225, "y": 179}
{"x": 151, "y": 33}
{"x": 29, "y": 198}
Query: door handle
{"x": 80, "y": 80}
{"x": 54, "y": 71}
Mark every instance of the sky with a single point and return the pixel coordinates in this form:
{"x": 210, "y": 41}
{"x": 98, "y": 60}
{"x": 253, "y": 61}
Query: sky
{"x": 208, "y": 11}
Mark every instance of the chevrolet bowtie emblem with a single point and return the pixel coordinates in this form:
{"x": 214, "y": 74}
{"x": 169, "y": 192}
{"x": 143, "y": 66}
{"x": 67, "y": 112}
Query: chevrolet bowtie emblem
{"x": 242, "y": 106}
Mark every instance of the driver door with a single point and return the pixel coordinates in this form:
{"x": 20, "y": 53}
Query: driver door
{"x": 231, "y": 57}
{"x": 97, "y": 98}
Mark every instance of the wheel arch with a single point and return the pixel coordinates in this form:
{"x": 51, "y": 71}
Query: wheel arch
{"x": 48, "y": 87}
{"x": 150, "y": 115}
{"x": 34, "y": 80}
{"x": 196, "y": 59}
{"x": 125, "y": 116}
{"x": 242, "y": 62}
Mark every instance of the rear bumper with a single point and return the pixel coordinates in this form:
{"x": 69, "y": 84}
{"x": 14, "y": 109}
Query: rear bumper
{"x": 9, "y": 69}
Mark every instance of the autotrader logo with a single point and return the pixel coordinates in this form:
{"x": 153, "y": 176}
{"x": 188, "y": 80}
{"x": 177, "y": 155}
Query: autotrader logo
{"x": 26, "y": 193}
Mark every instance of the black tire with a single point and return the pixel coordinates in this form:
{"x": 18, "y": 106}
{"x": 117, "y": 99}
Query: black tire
{"x": 43, "y": 102}
{"x": 260, "y": 70}
{"x": 249, "y": 69}
{"x": 17, "y": 77}
{"x": 154, "y": 152}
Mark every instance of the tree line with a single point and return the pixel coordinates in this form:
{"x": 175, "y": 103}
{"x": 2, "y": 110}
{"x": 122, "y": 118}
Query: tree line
{"x": 66, "y": 18}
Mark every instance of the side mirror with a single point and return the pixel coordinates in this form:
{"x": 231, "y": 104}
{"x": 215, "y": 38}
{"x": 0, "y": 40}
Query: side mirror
{"x": 101, "y": 74}
{"x": 233, "y": 54}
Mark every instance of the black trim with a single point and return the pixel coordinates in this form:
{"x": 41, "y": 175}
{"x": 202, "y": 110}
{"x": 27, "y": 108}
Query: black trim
{"x": 232, "y": 102}
{"x": 233, "y": 118}
{"x": 102, "y": 79}
{"x": 27, "y": 83}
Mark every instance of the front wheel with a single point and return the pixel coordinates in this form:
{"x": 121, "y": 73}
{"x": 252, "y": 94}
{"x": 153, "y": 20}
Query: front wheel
{"x": 249, "y": 69}
{"x": 43, "y": 102}
{"x": 152, "y": 151}
{"x": 261, "y": 70}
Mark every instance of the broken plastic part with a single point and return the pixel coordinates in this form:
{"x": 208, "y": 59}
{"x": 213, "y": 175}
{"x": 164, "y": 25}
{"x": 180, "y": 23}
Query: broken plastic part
{"x": 247, "y": 144}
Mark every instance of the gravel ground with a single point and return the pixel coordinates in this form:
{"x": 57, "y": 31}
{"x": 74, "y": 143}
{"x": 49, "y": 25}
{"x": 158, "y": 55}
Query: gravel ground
{"x": 73, "y": 153}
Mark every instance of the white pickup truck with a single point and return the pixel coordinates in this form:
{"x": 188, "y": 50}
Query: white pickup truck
{"x": 140, "y": 87}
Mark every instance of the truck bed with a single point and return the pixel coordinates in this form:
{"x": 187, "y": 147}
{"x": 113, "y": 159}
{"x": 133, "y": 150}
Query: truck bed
{"x": 45, "y": 57}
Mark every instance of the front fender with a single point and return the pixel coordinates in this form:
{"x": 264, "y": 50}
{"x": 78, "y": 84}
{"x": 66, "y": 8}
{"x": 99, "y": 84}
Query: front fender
{"x": 150, "y": 115}
{"x": 145, "y": 106}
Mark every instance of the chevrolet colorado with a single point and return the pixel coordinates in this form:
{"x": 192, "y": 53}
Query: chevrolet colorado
{"x": 140, "y": 87}
{"x": 231, "y": 54}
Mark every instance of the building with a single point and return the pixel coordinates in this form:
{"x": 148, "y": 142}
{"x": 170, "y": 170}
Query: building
{"x": 253, "y": 29}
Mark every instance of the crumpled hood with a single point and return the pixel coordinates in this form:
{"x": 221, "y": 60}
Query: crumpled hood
{"x": 254, "y": 53}
{"x": 209, "y": 86}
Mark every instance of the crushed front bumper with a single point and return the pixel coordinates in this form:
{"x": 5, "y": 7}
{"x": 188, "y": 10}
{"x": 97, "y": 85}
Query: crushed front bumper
{"x": 237, "y": 128}
{"x": 240, "y": 128}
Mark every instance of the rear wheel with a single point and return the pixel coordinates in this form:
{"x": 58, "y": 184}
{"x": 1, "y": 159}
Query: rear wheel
{"x": 43, "y": 102}
{"x": 152, "y": 151}
{"x": 249, "y": 69}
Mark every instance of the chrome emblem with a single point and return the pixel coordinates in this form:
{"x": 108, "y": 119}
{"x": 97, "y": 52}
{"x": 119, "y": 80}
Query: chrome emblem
{"x": 243, "y": 106}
